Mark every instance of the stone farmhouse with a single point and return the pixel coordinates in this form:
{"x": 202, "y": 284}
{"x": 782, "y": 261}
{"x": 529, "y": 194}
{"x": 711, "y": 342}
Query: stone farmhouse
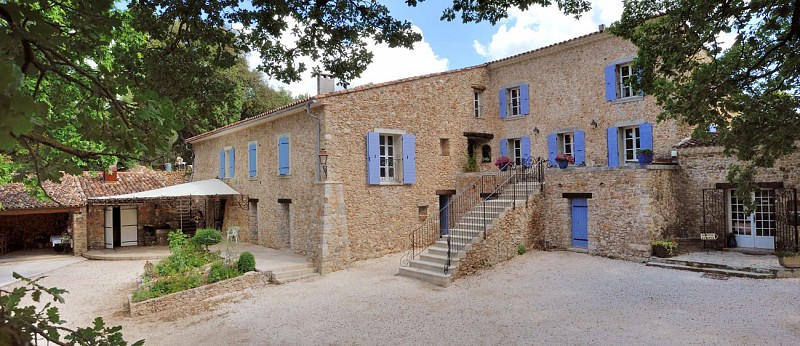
{"x": 355, "y": 174}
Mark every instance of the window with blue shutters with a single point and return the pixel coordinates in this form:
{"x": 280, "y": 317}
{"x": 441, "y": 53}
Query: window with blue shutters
{"x": 252, "y": 157}
{"x": 619, "y": 78}
{"x": 514, "y": 101}
{"x": 222, "y": 164}
{"x": 624, "y": 141}
{"x": 517, "y": 149}
{"x": 227, "y": 161}
{"x": 566, "y": 143}
{"x": 391, "y": 158}
{"x": 284, "y": 156}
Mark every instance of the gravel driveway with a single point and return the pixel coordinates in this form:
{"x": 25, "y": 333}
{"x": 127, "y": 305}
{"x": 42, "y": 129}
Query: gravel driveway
{"x": 538, "y": 298}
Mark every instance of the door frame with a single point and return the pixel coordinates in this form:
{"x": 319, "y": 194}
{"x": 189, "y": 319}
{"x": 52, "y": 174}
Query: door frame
{"x": 579, "y": 218}
{"x": 752, "y": 240}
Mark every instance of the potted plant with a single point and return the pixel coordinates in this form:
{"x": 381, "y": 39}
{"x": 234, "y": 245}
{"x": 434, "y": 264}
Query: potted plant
{"x": 645, "y": 156}
{"x": 502, "y": 162}
{"x": 664, "y": 248}
{"x": 564, "y": 160}
{"x": 789, "y": 258}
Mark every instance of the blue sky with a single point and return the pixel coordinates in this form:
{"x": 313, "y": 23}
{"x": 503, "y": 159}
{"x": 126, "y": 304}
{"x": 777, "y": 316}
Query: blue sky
{"x": 452, "y": 45}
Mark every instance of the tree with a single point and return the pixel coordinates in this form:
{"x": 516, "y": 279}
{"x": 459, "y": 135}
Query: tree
{"x": 83, "y": 83}
{"x": 750, "y": 91}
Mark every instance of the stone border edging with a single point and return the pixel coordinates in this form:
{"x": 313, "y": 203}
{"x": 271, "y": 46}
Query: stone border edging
{"x": 198, "y": 294}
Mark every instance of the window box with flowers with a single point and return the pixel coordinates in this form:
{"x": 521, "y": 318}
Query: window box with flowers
{"x": 503, "y": 162}
{"x": 564, "y": 160}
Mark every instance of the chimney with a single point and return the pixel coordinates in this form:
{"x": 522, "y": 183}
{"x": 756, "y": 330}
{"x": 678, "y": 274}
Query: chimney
{"x": 325, "y": 83}
{"x": 110, "y": 176}
{"x": 602, "y": 27}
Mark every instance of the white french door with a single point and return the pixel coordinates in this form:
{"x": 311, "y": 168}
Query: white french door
{"x": 756, "y": 230}
{"x": 109, "y": 228}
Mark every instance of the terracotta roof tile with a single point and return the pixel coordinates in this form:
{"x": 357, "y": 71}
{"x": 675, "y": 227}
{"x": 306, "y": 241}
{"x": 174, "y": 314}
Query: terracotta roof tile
{"x": 67, "y": 193}
{"x": 697, "y": 143}
{"x": 94, "y": 185}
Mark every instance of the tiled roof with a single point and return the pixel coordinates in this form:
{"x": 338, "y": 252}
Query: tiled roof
{"x": 67, "y": 193}
{"x": 94, "y": 185}
{"x": 697, "y": 143}
{"x": 372, "y": 86}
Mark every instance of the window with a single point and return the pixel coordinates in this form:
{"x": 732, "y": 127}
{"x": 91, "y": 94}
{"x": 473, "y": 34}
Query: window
{"x": 623, "y": 141}
{"x": 631, "y": 140}
{"x": 227, "y": 159}
{"x": 570, "y": 143}
{"x": 444, "y": 146}
{"x": 619, "y": 80}
{"x": 252, "y": 157}
{"x": 517, "y": 149}
{"x": 476, "y": 103}
{"x": 513, "y": 101}
{"x": 624, "y": 80}
{"x": 486, "y": 153}
{"x": 391, "y": 158}
{"x": 284, "y": 155}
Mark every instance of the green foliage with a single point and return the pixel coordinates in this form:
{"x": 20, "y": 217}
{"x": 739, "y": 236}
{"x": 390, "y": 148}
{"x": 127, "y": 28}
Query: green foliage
{"x": 206, "y": 237}
{"x": 221, "y": 271}
{"x": 748, "y": 90}
{"x": 521, "y": 249}
{"x": 247, "y": 262}
{"x": 670, "y": 245}
{"x": 32, "y": 324}
{"x": 471, "y": 165}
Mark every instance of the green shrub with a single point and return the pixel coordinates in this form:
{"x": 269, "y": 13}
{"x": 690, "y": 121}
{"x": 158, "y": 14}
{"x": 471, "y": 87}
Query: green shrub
{"x": 206, "y": 237}
{"x": 220, "y": 271}
{"x": 471, "y": 165}
{"x": 247, "y": 262}
{"x": 521, "y": 249}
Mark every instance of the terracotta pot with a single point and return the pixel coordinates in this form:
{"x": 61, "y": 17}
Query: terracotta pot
{"x": 790, "y": 261}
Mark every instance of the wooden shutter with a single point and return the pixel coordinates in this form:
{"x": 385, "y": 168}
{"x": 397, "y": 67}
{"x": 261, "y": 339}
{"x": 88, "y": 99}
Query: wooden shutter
{"x": 373, "y": 161}
{"x": 611, "y": 82}
{"x": 613, "y": 141}
{"x": 232, "y": 164}
{"x": 646, "y": 136}
{"x": 409, "y": 159}
{"x": 251, "y": 150}
{"x": 501, "y": 102}
{"x": 523, "y": 99}
{"x": 552, "y": 148}
{"x": 222, "y": 163}
{"x": 283, "y": 155}
{"x": 580, "y": 147}
{"x": 525, "y": 143}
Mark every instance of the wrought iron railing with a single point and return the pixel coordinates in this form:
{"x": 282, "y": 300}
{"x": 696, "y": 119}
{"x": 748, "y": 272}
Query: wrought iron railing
{"x": 467, "y": 214}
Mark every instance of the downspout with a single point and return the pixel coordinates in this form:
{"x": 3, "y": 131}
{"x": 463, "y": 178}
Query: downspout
{"x": 319, "y": 135}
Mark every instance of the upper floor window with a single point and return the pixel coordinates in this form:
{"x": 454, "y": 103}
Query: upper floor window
{"x": 623, "y": 141}
{"x": 631, "y": 141}
{"x": 252, "y": 158}
{"x": 517, "y": 149}
{"x": 567, "y": 143}
{"x": 619, "y": 80}
{"x": 284, "y": 155}
{"x": 513, "y": 101}
{"x": 476, "y": 103}
{"x": 391, "y": 158}
{"x": 625, "y": 81}
{"x": 227, "y": 161}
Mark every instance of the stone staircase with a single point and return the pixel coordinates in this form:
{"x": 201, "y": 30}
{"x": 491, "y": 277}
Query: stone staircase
{"x": 430, "y": 264}
{"x": 293, "y": 273}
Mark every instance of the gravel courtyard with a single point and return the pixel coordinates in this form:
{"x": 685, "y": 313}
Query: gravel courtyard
{"x": 538, "y": 298}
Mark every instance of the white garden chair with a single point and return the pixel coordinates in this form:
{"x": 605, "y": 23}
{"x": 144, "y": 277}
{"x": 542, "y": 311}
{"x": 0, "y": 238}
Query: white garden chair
{"x": 233, "y": 232}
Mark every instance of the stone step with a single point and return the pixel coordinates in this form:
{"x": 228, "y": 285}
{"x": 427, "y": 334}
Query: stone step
{"x": 439, "y": 259}
{"x": 430, "y": 266}
{"x": 442, "y": 251}
{"x": 293, "y": 273}
{"x": 439, "y": 279}
{"x": 728, "y": 272}
{"x": 707, "y": 265}
{"x": 293, "y": 278}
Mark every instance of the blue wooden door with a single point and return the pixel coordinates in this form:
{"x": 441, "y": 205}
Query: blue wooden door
{"x": 580, "y": 219}
{"x": 444, "y": 215}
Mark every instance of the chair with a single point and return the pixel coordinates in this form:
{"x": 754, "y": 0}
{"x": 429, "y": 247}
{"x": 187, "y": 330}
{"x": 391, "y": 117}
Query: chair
{"x": 233, "y": 232}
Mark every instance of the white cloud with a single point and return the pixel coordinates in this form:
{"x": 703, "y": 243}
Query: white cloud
{"x": 539, "y": 27}
{"x": 387, "y": 64}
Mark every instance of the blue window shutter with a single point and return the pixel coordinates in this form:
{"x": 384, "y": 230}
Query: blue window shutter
{"x": 232, "y": 164}
{"x": 373, "y": 161}
{"x": 283, "y": 155}
{"x": 611, "y": 82}
{"x": 222, "y": 163}
{"x": 251, "y": 149}
{"x": 613, "y": 152}
{"x": 525, "y": 142}
{"x": 503, "y": 147}
{"x": 646, "y": 136}
{"x": 552, "y": 148}
{"x": 524, "y": 99}
{"x": 580, "y": 147}
{"x": 501, "y": 102}
{"x": 409, "y": 159}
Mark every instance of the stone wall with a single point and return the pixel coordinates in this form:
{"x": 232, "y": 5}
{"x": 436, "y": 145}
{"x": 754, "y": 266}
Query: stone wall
{"x": 521, "y": 226}
{"x": 629, "y": 208}
{"x": 198, "y": 296}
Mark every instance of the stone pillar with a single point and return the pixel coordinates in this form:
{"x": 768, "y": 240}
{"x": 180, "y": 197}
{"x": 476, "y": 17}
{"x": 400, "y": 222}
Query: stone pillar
{"x": 79, "y": 232}
{"x": 334, "y": 238}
